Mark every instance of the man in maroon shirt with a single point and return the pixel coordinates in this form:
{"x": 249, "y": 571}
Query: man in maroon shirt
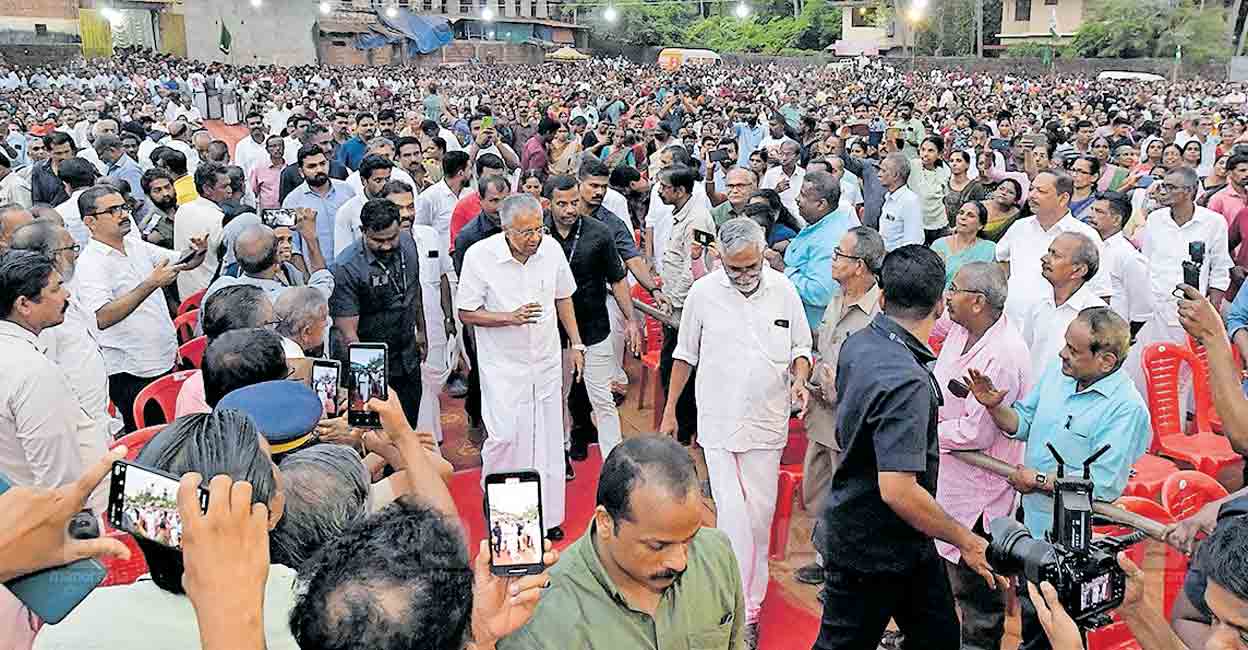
{"x": 534, "y": 155}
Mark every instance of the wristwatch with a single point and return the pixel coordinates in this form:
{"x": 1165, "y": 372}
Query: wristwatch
{"x": 579, "y": 347}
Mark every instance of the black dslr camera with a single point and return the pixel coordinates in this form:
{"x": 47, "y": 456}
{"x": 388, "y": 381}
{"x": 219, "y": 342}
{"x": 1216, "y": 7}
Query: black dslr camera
{"x": 1084, "y": 572}
{"x": 1191, "y": 266}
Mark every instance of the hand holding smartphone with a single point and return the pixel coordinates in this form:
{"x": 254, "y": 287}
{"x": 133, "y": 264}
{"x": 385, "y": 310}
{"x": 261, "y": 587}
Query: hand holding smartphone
{"x": 325, "y": 379}
{"x": 279, "y": 217}
{"x": 144, "y": 502}
{"x": 515, "y": 528}
{"x": 367, "y": 379}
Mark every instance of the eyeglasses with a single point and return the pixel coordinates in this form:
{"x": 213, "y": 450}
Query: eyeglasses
{"x": 75, "y": 247}
{"x": 532, "y": 232}
{"x": 837, "y": 252}
{"x": 115, "y": 211}
{"x": 954, "y": 289}
{"x": 1170, "y": 187}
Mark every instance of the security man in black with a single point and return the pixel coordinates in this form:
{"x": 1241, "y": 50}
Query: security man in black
{"x": 377, "y": 299}
{"x": 880, "y": 512}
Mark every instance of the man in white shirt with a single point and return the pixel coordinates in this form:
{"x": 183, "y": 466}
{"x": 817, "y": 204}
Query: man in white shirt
{"x": 202, "y": 217}
{"x": 901, "y": 217}
{"x": 744, "y": 327}
{"x": 436, "y": 204}
{"x": 251, "y": 151}
{"x": 72, "y": 344}
{"x": 118, "y": 279}
{"x": 14, "y": 187}
{"x": 77, "y": 175}
{"x": 1196, "y": 126}
{"x": 786, "y": 178}
{"x": 1166, "y": 240}
{"x": 376, "y": 172}
{"x": 39, "y": 418}
{"x": 1123, "y": 265}
{"x": 384, "y": 148}
{"x": 1028, "y": 240}
{"x": 512, "y": 287}
{"x": 659, "y": 220}
{"x": 1071, "y": 261}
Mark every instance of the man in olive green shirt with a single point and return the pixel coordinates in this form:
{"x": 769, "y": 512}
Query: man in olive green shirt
{"x": 647, "y": 575}
{"x": 740, "y": 183}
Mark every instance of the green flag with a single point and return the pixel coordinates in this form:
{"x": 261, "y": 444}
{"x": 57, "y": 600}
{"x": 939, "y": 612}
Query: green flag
{"x": 226, "y": 39}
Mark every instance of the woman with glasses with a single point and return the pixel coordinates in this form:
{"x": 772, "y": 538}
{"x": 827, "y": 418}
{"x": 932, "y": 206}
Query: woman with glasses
{"x": 965, "y": 244}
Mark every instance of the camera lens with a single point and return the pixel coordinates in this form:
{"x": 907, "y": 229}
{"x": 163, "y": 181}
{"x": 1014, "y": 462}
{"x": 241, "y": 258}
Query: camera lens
{"x": 1013, "y": 550}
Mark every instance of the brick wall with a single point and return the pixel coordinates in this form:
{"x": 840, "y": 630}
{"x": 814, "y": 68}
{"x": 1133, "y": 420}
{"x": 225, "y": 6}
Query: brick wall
{"x": 67, "y": 9}
{"x": 35, "y": 54}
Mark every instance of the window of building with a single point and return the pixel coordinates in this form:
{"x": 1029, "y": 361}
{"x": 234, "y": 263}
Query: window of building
{"x": 1050, "y": 3}
{"x": 41, "y": 29}
{"x": 863, "y": 17}
{"x": 1022, "y": 10}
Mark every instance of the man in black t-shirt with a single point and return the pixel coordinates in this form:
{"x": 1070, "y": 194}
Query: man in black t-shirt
{"x": 881, "y": 513}
{"x": 596, "y": 265}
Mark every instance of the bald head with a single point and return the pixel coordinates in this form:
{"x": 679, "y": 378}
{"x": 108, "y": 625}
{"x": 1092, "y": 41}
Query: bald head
{"x": 256, "y": 249}
{"x": 12, "y": 217}
{"x": 46, "y": 213}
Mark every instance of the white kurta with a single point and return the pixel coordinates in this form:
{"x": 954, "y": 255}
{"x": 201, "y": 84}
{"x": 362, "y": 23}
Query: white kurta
{"x": 434, "y": 263}
{"x": 521, "y": 374}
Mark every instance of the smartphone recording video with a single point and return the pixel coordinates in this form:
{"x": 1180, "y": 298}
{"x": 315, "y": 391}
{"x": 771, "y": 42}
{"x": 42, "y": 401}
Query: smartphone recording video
{"x": 279, "y": 217}
{"x": 513, "y": 502}
{"x": 144, "y": 503}
{"x": 367, "y": 381}
{"x": 325, "y": 381}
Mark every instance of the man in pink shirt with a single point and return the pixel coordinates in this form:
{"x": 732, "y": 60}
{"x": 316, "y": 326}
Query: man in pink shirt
{"x": 980, "y": 337}
{"x": 236, "y": 307}
{"x": 1233, "y": 198}
{"x": 266, "y": 179}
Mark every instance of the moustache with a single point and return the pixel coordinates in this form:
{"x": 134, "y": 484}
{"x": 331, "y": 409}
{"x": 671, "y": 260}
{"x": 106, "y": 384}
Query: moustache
{"x": 667, "y": 575}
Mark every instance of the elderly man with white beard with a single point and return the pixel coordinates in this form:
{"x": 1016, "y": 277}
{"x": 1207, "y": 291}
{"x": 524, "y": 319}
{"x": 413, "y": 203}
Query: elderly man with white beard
{"x": 745, "y": 329}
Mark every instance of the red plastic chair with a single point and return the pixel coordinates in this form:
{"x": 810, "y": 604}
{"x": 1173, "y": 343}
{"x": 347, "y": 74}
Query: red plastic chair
{"x": 124, "y": 572}
{"x": 1204, "y": 450}
{"x": 165, "y": 392}
{"x": 791, "y": 465}
{"x": 191, "y": 353}
{"x": 185, "y": 325}
{"x": 650, "y": 358}
{"x": 192, "y": 301}
{"x": 1186, "y": 492}
{"x": 1147, "y": 476}
{"x": 1116, "y": 636}
{"x": 1204, "y": 394}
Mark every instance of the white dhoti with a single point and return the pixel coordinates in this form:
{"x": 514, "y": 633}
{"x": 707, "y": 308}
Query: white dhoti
{"x": 744, "y": 486}
{"x": 526, "y": 432}
{"x": 432, "y": 377}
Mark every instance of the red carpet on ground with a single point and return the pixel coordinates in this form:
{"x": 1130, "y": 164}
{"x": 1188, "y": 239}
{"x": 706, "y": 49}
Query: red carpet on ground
{"x": 785, "y": 623}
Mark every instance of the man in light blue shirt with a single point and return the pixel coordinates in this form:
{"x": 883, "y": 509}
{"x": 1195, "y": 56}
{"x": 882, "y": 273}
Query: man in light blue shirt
{"x": 901, "y": 216}
{"x": 320, "y": 193}
{"x": 1083, "y": 401}
{"x": 1237, "y": 325}
{"x": 808, "y": 259}
{"x": 749, "y": 133}
{"x": 120, "y": 164}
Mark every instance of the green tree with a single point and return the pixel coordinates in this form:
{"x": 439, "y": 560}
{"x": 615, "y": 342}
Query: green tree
{"x": 814, "y": 29}
{"x": 643, "y": 24}
{"x": 1132, "y": 29}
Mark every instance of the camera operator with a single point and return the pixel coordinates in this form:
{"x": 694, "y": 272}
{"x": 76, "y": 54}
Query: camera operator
{"x": 1078, "y": 405}
{"x": 1225, "y": 592}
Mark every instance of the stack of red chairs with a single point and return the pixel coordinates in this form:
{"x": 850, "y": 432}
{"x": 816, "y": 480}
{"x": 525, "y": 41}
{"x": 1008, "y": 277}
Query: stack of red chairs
{"x": 791, "y": 463}
{"x": 1204, "y": 450}
{"x": 650, "y": 356}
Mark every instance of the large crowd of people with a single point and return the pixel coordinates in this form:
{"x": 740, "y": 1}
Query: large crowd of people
{"x": 908, "y": 263}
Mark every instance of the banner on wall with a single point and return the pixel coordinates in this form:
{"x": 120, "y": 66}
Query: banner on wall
{"x": 96, "y": 32}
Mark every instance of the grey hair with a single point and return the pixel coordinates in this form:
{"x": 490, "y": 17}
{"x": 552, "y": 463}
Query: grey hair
{"x": 105, "y": 142}
{"x": 297, "y": 308}
{"x": 379, "y": 141}
{"x": 869, "y": 247}
{"x": 988, "y": 279}
{"x": 826, "y": 187}
{"x": 1190, "y": 179}
{"x": 1110, "y": 332}
{"x": 326, "y": 489}
{"x": 517, "y": 205}
{"x": 37, "y": 236}
{"x": 902, "y": 164}
{"x": 737, "y": 234}
{"x": 1085, "y": 253}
